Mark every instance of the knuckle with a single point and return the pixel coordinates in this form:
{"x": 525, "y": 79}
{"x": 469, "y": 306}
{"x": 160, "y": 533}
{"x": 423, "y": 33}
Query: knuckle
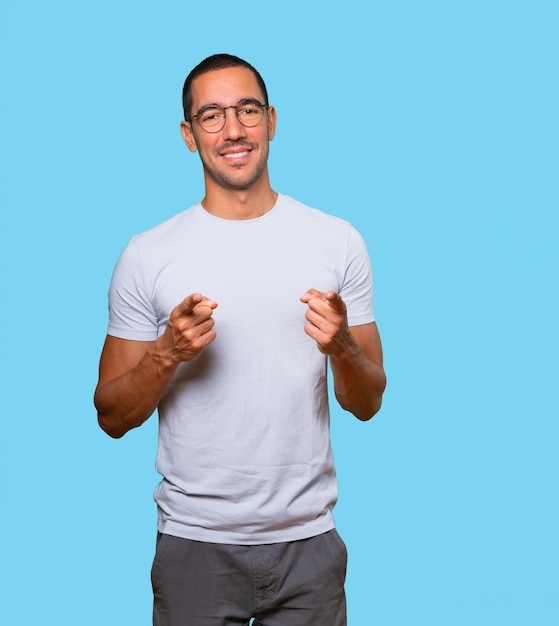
{"x": 189, "y": 334}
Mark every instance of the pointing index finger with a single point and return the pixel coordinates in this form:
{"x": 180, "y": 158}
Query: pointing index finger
{"x": 187, "y": 306}
{"x": 311, "y": 293}
{"x": 333, "y": 299}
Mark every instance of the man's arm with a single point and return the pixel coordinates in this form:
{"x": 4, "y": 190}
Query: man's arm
{"x": 134, "y": 374}
{"x": 355, "y": 353}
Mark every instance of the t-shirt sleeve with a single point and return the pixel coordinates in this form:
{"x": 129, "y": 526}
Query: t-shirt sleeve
{"x": 131, "y": 311}
{"x": 357, "y": 286}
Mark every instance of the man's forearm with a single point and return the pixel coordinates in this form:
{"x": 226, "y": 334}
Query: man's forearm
{"x": 358, "y": 383}
{"x": 127, "y": 401}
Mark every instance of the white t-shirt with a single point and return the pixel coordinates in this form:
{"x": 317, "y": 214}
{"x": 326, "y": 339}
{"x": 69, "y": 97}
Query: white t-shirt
{"x": 244, "y": 432}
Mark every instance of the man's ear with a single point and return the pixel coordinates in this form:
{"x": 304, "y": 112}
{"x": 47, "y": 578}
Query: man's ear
{"x": 272, "y": 118}
{"x": 188, "y": 136}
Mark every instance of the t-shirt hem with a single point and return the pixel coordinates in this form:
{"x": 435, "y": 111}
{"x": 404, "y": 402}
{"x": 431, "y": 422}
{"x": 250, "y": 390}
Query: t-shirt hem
{"x": 284, "y": 535}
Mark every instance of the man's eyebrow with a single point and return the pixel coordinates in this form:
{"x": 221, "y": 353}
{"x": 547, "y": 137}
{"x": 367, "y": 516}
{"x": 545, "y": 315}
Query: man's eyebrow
{"x": 212, "y": 105}
{"x": 249, "y": 101}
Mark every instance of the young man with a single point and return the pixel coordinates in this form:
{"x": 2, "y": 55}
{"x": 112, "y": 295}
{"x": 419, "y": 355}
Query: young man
{"x": 224, "y": 319}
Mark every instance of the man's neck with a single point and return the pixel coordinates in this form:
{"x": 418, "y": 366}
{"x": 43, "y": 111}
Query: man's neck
{"x": 239, "y": 204}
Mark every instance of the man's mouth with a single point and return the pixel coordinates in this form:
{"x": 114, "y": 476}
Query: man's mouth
{"x": 235, "y": 152}
{"x": 235, "y": 155}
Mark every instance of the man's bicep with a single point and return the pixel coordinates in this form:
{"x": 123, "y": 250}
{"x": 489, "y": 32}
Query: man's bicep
{"x": 368, "y": 338}
{"x": 120, "y": 356}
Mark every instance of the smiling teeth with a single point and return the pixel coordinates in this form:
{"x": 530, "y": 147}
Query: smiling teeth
{"x": 236, "y": 155}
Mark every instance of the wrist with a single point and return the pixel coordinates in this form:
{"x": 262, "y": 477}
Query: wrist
{"x": 348, "y": 351}
{"x": 165, "y": 359}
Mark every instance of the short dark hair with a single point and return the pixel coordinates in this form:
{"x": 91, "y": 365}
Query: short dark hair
{"x": 217, "y": 62}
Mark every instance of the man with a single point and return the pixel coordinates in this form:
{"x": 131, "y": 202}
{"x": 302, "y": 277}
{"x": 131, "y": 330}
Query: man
{"x": 224, "y": 318}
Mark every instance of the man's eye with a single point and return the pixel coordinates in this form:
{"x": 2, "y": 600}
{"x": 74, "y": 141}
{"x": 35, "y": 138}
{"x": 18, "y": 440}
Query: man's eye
{"x": 212, "y": 115}
{"x": 249, "y": 114}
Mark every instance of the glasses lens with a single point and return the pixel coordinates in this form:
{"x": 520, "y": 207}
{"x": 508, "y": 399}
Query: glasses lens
{"x": 212, "y": 119}
{"x": 250, "y": 114}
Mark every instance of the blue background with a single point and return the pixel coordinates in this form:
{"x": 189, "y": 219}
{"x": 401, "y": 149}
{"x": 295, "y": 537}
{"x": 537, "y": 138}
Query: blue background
{"x": 432, "y": 127}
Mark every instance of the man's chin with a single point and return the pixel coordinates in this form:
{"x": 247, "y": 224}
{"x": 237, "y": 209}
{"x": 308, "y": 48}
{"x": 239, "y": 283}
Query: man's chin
{"x": 242, "y": 181}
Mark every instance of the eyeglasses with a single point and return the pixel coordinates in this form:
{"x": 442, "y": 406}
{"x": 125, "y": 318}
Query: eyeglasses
{"x": 212, "y": 118}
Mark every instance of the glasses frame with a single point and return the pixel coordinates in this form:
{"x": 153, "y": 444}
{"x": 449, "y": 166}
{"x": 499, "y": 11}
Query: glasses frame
{"x": 247, "y": 101}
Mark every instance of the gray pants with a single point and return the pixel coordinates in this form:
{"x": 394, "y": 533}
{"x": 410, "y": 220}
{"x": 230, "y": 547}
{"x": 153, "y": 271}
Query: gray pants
{"x": 299, "y": 583}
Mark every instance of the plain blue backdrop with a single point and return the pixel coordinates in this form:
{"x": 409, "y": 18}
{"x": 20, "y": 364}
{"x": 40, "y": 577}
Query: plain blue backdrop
{"x": 432, "y": 127}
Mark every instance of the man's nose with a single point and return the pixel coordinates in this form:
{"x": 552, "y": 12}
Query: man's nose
{"x": 233, "y": 129}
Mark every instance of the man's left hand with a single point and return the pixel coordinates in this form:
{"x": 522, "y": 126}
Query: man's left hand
{"x": 327, "y": 321}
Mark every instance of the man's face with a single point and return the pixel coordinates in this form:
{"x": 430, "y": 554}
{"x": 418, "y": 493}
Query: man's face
{"x": 236, "y": 156}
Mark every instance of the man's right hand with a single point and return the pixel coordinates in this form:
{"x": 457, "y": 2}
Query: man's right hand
{"x": 190, "y": 328}
{"x": 133, "y": 375}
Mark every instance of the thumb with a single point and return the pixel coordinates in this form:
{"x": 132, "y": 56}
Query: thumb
{"x": 335, "y": 301}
